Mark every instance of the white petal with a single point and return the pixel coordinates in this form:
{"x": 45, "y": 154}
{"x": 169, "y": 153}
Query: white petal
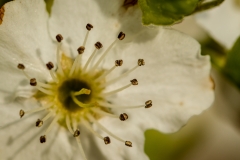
{"x": 108, "y": 18}
{"x": 222, "y": 22}
{"x": 23, "y": 39}
{"x": 176, "y": 78}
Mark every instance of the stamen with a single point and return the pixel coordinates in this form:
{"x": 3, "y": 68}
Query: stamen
{"x": 76, "y": 63}
{"x": 120, "y": 37}
{"x": 140, "y": 63}
{"x": 123, "y": 117}
{"x": 22, "y": 113}
{"x": 147, "y": 104}
{"x": 51, "y": 125}
{"x": 43, "y": 139}
{"x": 107, "y": 140}
{"x": 80, "y": 104}
{"x": 133, "y": 82}
{"x": 68, "y": 124}
{"x": 59, "y": 39}
{"x": 82, "y": 91}
{"x": 88, "y": 126}
{"x": 101, "y": 112}
{"x": 39, "y": 123}
{"x": 80, "y": 50}
{"x": 118, "y": 63}
{"x": 80, "y": 148}
{"x": 47, "y": 116}
{"x": 33, "y": 82}
{"x": 98, "y": 46}
{"x": 128, "y": 143}
{"x": 21, "y": 66}
{"x": 105, "y": 129}
{"x": 76, "y": 133}
{"x": 89, "y": 27}
{"x": 50, "y": 65}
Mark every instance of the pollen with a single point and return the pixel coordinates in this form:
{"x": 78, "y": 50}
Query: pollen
{"x": 77, "y": 92}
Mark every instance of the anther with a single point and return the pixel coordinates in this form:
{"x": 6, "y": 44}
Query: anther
{"x": 121, "y": 36}
{"x": 148, "y": 104}
{"x": 50, "y": 65}
{"x": 33, "y": 82}
{"x": 98, "y": 45}
{"x": 21, "y": 66}
{"x": 76, "y": 133}
{"x": 123, "y": 116}
{"x": 39, "y": 123}
{"x": 43, "y": 139}
{"x": 118, "y": 62}
{"x": 107, "y": 140}
{"x": 21, "y": 113}
{"x": 128, "y": 143}
{"x": 141, "y": 62}
{"x": 134, "y": 82}
{"x": 81, "y": 50}
{"x": 59, "y": 38}
{"x": 89, "y": 26}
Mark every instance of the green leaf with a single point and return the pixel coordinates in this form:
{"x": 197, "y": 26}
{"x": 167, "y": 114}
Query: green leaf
{"x": 166, "y": 12}
{"x": 159, "y": 146}
{"x": 232, "y": 66}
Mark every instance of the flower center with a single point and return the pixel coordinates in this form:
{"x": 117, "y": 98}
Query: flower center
{"x": 65, "y": 90}
{"x": 76, "y": 95}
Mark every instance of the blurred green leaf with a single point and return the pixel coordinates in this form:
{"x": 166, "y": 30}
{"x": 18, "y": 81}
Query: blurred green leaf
{"x": 166, "y": 12}
{"x": 232, "y": 66}
{"x": 2, "y": 2}
{"x": 159, "y": 146}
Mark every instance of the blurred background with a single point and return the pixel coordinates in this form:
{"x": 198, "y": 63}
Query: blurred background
{"x": 215, "y": 134}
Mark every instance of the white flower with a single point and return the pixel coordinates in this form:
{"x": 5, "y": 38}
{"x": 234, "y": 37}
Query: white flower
{"x": 175, "y": 78}
{"x": 222, "y": 22}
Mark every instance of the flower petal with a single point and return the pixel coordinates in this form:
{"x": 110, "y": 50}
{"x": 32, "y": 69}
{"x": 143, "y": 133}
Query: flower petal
{"x": 24, "y": 39}
{"x": 176, "y": 78}
{"x": 107, "y": 17}
{"x": 222, "y": 22}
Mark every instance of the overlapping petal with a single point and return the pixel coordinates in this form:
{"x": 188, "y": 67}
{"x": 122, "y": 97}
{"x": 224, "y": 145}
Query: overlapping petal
{"x": 222, "y": 22}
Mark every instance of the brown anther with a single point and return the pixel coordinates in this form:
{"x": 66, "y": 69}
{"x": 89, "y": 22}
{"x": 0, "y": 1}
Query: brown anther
{"x": 33, "y": 82}
{"x": 148, "y": 104}
{"x": 21, "y": 66}
{"x": 81, "y": 50}
{"x": 76, "y": 133}
{"x": 50, "y": 65}
{"x": 89, "y": 27}
{"x": 43, "y": 139}
{"x": 39, "y": 123}
{"x": 121, "y": 36}
{"x": 118, "y": 62}
{"x": 21, "y": 113}
{"x": 107, "y": 140}
{"x": 98, "y": 45}
{"x": 123, "y": 116}
{"x": 134, "y": 82}
{"x": 59, "y": 38}
{"x": 141, "y": 62}
{"x": 128, "y": 143}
